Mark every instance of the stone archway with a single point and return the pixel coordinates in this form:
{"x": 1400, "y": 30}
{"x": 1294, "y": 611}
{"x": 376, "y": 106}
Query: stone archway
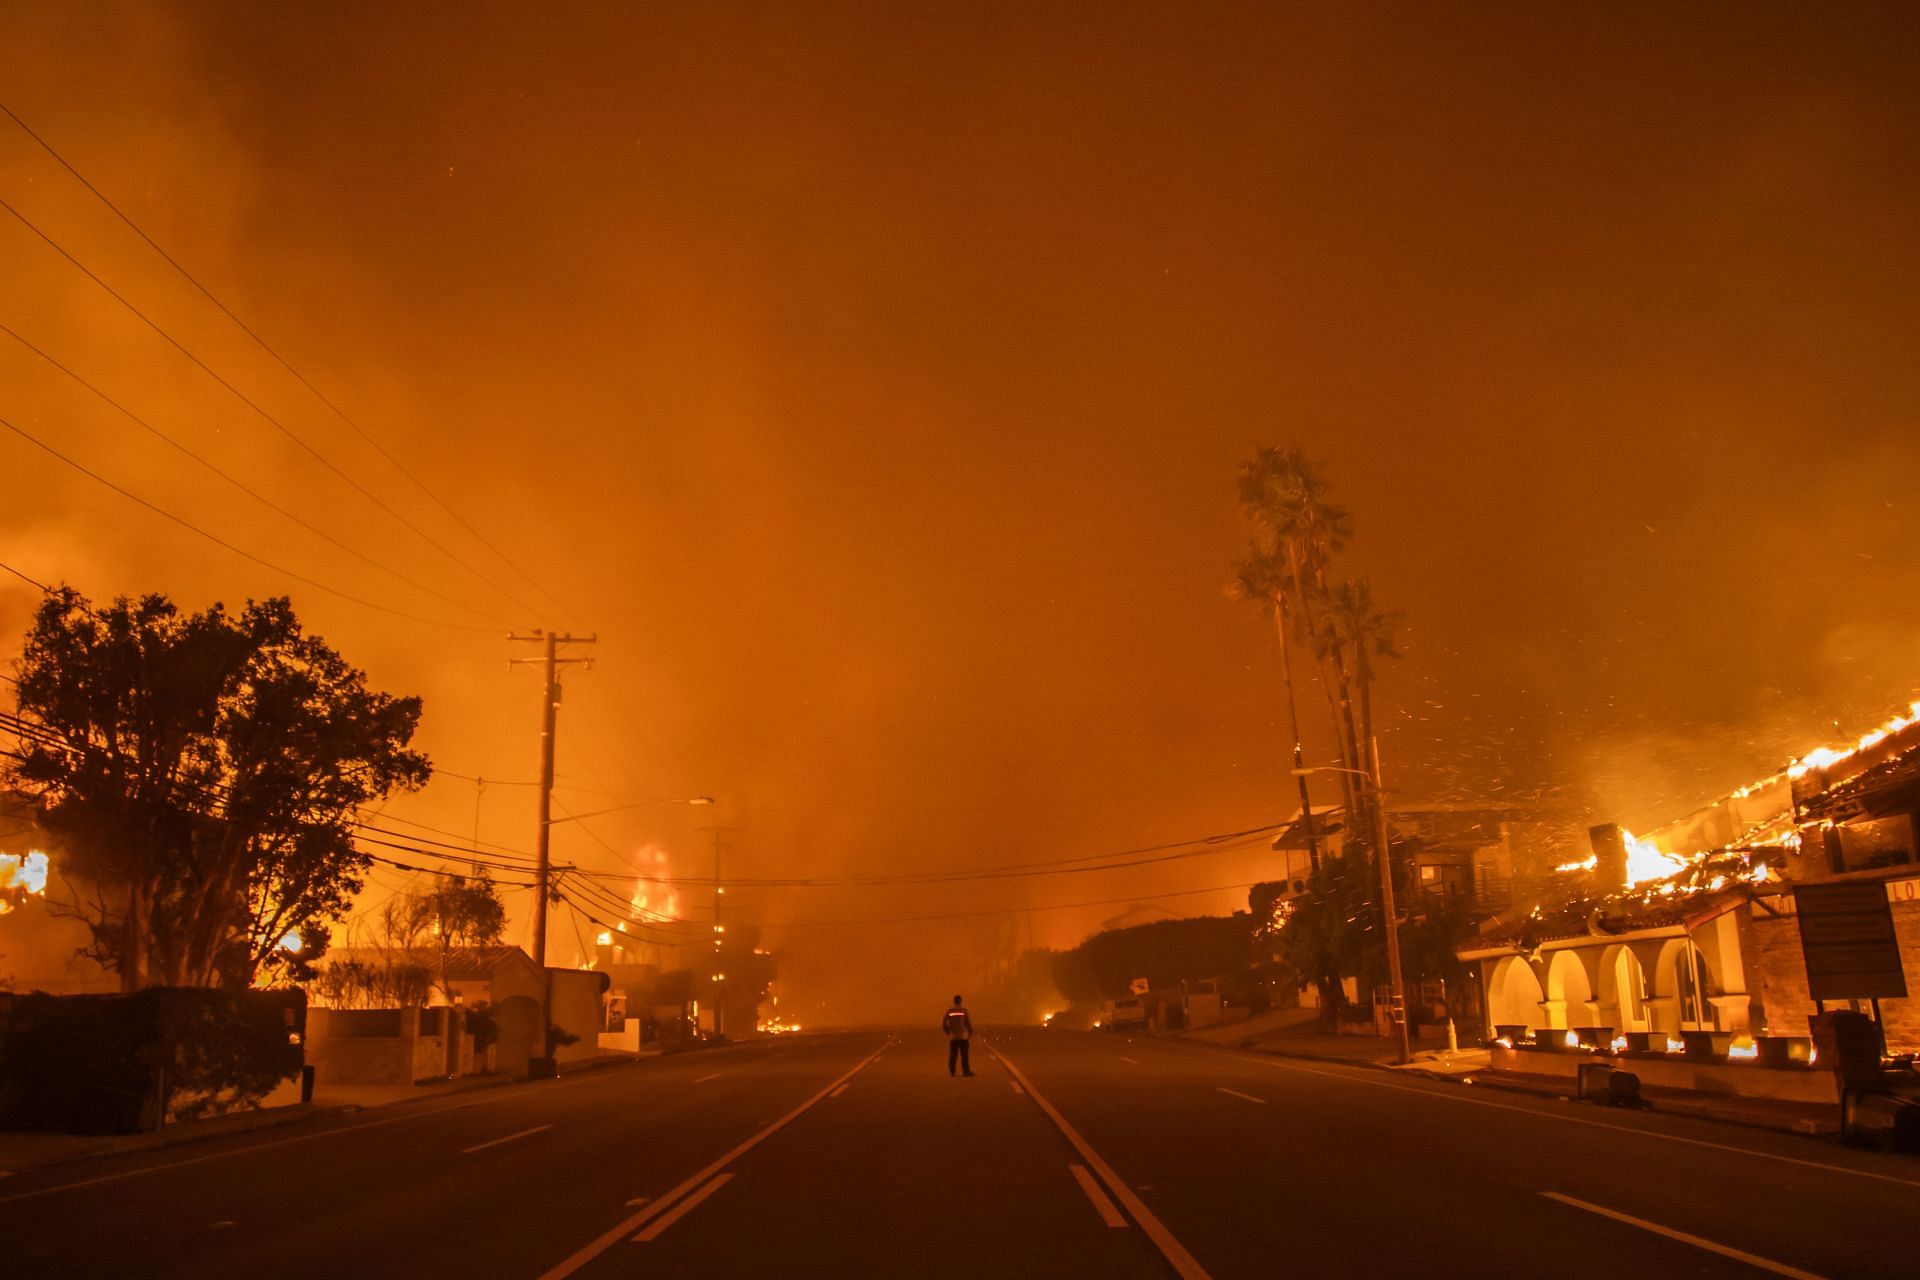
{"x": 1514, "y": 997}
{"x": 1623, "y": 991}
{"x": 1685, "y": 986}
{"x": 1569, "y": 999}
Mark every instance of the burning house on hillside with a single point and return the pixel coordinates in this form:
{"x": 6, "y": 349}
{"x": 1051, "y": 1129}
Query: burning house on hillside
{"x": 1694, "y": 927}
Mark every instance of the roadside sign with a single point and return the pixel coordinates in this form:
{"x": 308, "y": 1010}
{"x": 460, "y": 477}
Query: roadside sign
{"x": 1847, "y": 940}
{"x": 1138, "y": 986}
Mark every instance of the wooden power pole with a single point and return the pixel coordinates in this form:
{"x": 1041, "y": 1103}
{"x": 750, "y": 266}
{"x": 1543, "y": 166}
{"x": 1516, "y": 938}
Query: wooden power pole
{"x": 551, "y": 662}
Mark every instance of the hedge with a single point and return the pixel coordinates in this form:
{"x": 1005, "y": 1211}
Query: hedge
{"x": 120, "y": 1064}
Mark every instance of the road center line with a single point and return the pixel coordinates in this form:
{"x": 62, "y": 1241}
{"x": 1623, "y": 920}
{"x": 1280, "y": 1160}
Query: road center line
{"x": 512, "y": 1137}
{"x": 1016, "y": 1086}
{"x": 681, "y": 1210}
{"x": 601, "y": 1244}
{"x": 1725, "y": 1251}
{"x": 1102, "y": 1204}
{"x": 1236, "y": 1093}
{"x": 715, "y": 1076}
{"x": 1184, "y": 1264}
{"x": 1125, "y": 1058}
{"x": 837, "y": 1092}
{"x": 1459, "y": 1095}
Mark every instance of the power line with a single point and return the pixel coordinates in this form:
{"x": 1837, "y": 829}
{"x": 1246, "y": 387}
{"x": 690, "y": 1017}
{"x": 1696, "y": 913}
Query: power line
{"x": 222, "y": 542}
{"x": 442, "y": 831}
{"x": 1222, "y": 843}
{"x": 658, "y": 930}
{"x": 468, "y": 777}
{"x": 254, "y": 405}
{"x": 261, "y": 342}
{"x": 1007, "y": 806}
{"x": 1007, "y": 911}
{"x": 32, "y": 582}
{"x": 243, "y": 487}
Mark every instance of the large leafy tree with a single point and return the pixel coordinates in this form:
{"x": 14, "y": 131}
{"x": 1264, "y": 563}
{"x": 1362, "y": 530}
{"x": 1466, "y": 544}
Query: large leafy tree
{"x": 203, "y": 772}
{"x": 454, "y": 913}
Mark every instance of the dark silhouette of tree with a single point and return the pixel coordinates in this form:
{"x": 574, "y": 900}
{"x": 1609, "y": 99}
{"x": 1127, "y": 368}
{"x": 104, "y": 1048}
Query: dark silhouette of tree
{"x": 202, "y": 773}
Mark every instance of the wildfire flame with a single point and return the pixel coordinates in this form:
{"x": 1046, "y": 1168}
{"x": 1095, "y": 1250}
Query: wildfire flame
{"x": 1646, "y": 861}
{"x": 653, "y": 900}
{"x": 1826, "y": 757}
{"x": 21, "y": 876}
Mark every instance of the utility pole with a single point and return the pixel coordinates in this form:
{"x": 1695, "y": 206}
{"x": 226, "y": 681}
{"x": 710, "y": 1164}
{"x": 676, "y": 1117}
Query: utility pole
{"x": 1383, "y": 838}
{"x": 719, "y": 935}
{"x": 551, "y": 662}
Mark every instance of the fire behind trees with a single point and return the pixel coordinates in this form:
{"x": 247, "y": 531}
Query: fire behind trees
{"x": 201, "y": 772}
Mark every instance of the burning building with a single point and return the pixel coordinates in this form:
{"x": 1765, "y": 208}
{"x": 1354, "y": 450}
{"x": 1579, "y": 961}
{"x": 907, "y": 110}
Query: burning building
{"x": 1694, "y": 929}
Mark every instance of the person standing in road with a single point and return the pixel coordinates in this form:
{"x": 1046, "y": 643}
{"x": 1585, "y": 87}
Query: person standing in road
{"x": 959, "y": 1028}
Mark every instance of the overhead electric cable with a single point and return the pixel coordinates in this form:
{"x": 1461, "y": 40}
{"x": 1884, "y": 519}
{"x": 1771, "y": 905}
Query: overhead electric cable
{"x": 254, "y": 405}
{"x": 660, "y": 933}
{"x": 627, "y": 907}
{"x": 282, "y": 361}
{"x": 247, "y": 489}
{"x": 1008, "y": 911}
{"x": 239, "y": 551}
{"x": 442, "y": 831}
{"x": 1221, "y": 843}
{"x": 32, "y": 582}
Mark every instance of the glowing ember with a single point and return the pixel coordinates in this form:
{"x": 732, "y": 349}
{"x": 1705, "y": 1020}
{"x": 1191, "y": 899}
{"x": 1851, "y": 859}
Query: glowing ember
{"x": 21, "y": 877}
{"x": 1676, "y": 1045}
{"x": 1619, "y": 1044}
{"x": 1742, "y": 1047}
{"x": 1587, "y": 864}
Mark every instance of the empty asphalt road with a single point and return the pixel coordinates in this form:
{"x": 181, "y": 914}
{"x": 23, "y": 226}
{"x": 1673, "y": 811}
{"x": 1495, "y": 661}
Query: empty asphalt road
{"x": 1068, "y": 1154}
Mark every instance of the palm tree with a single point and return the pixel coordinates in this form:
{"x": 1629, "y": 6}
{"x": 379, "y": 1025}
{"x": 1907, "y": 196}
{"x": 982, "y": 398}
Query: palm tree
{"x": 1261, "y": 579}
{"x": 1298, "y": 525}
{"x": 1356, "y": 626}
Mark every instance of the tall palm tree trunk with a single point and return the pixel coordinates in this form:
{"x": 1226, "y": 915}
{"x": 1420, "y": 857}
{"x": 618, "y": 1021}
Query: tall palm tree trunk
{"x": 1293, "y": 724}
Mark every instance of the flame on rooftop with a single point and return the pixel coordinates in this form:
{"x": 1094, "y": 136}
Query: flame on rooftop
{"x": 1827, "y": 757}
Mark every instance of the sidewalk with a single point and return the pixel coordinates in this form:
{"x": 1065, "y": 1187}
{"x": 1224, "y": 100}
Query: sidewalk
{"x": 1294, "y": 1037}
{"x": 1806, "y": 1118}
{"x": 1300, "y": 1033}
{"x": 22, "y": 1151}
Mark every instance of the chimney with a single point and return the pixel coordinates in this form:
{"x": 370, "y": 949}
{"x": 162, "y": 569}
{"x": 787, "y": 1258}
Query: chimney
{"x": 1609, "y": 855}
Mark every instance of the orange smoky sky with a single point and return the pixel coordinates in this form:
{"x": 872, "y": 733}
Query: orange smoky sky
{"x": 871, "y": 379}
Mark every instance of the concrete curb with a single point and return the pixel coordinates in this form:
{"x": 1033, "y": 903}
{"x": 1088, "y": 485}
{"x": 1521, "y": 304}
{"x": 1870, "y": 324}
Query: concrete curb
{"x": 99, "y": 1147}
{"x": 62, "y": 1149}
{"x": 1715, "y": 1112}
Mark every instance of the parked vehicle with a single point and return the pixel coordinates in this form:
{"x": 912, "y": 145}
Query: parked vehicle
{"x": 1126, "y": 1014}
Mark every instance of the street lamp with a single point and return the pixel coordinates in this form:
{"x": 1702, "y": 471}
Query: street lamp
{"x": 1383, "y": 839}
{"x": 622, "y": 808}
